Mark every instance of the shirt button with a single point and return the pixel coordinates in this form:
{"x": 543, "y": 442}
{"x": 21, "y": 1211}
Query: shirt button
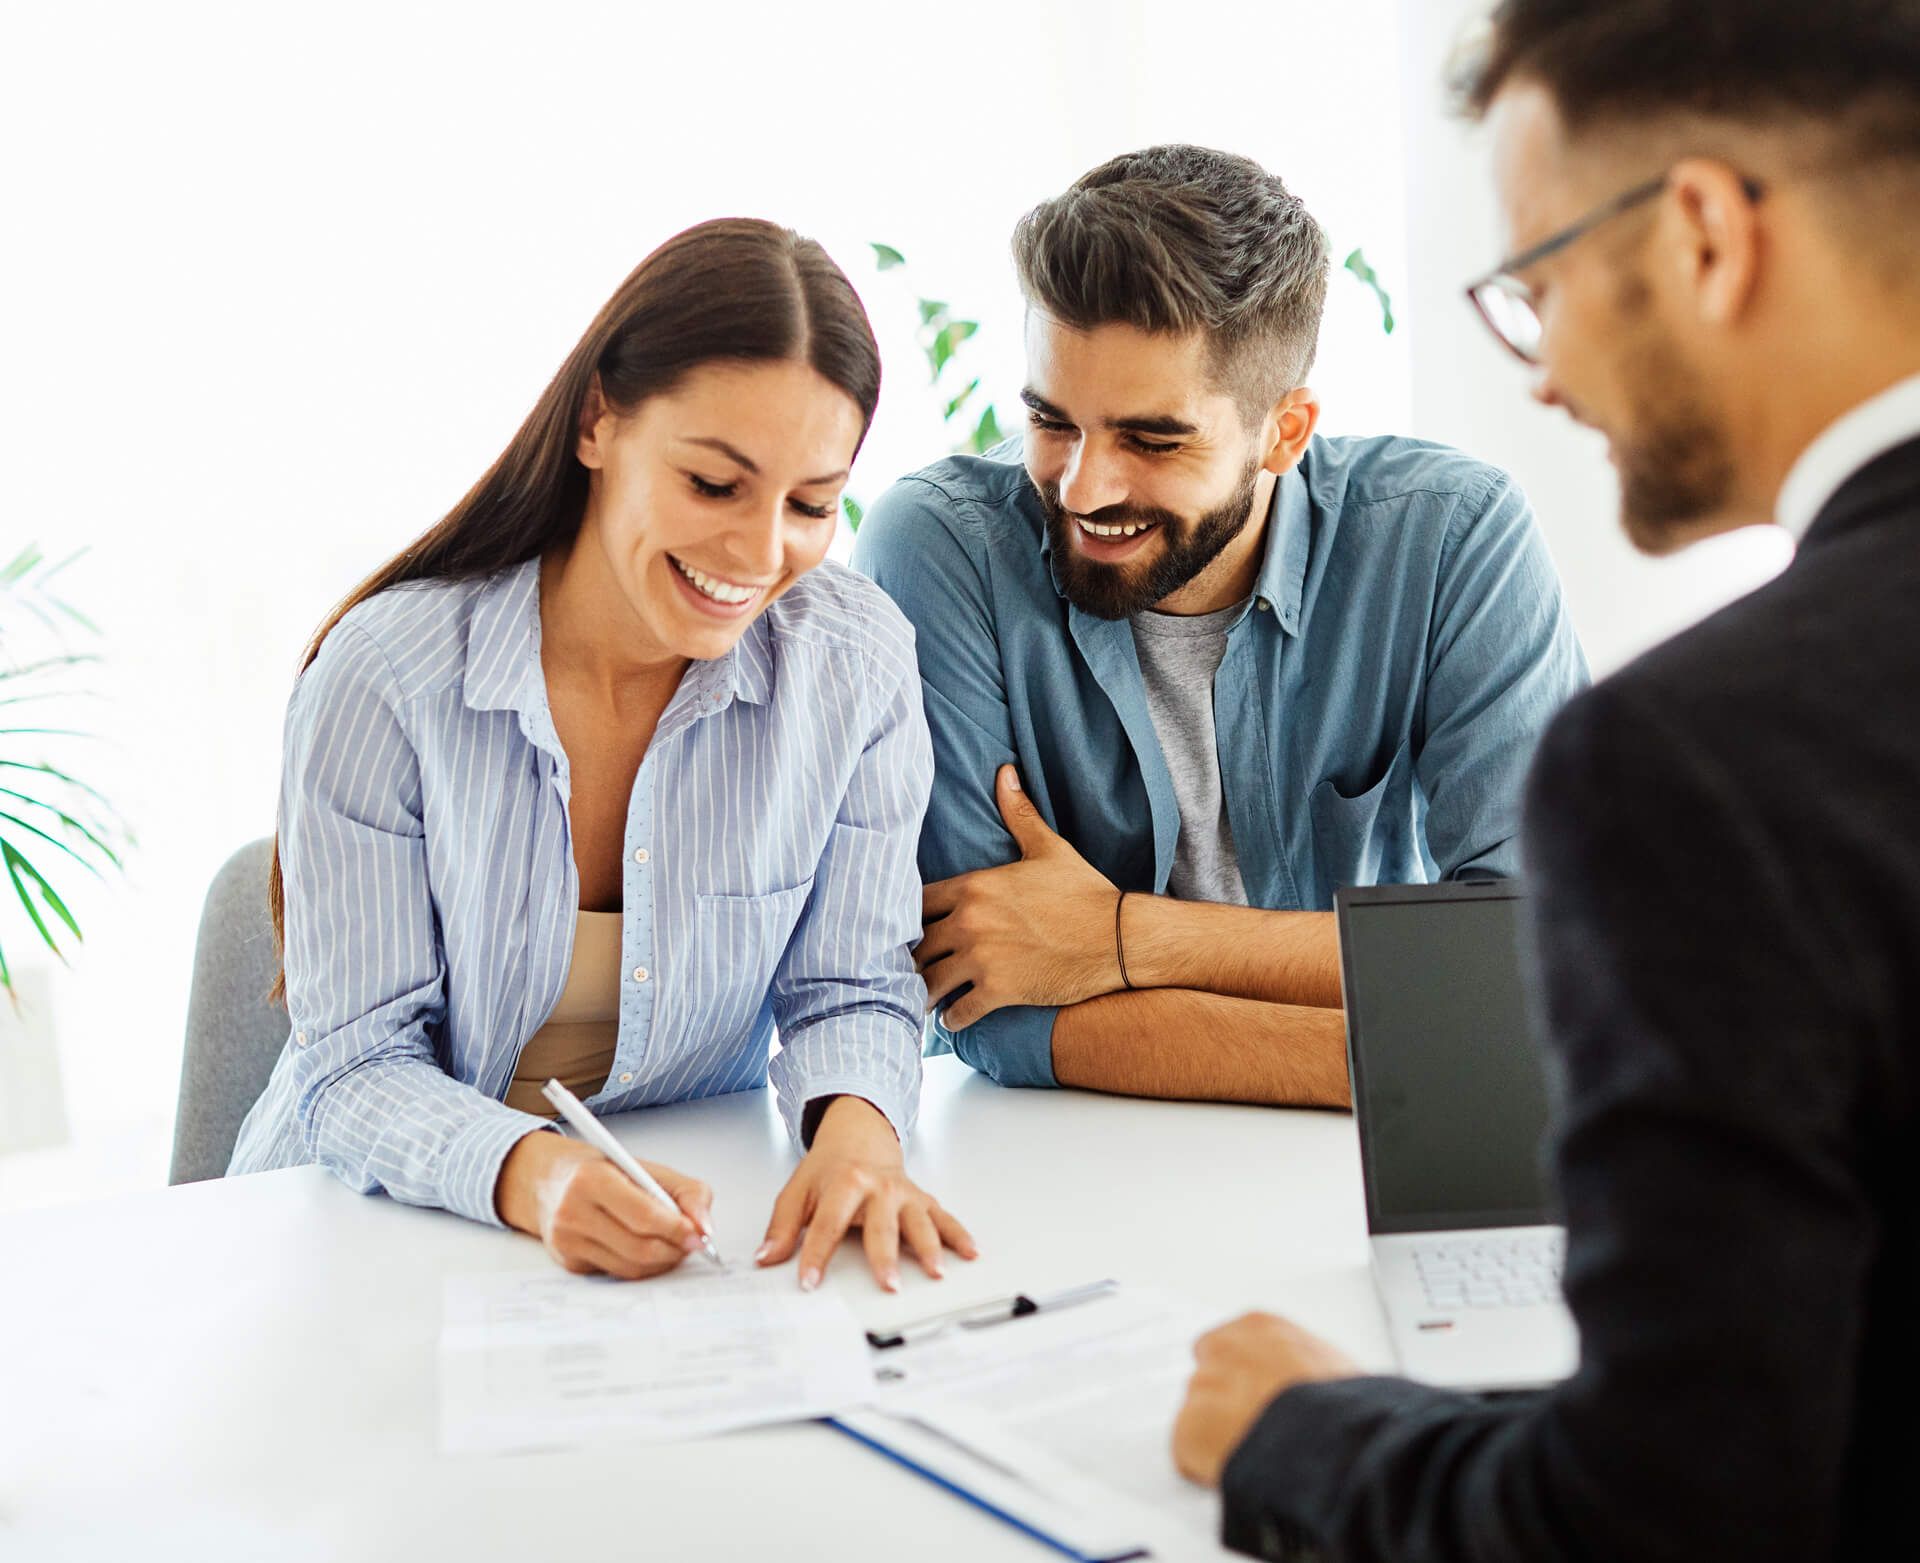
{"x": 639, "y": 974}
{"x": 640, "y": 854}
{"x": 627, "y": 1078}
{"x": 1263, "y": 605}
{"x": 300, "y": 1037}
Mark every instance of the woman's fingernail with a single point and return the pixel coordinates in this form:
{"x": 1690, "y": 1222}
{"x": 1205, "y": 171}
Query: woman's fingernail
{"x": 809, "y": 1279}
{"x": 760, "y": 1253}
{"x": 891, "y": 1280}
{"x": 939, "y": 1274}
{"x": 690, "y": 1242}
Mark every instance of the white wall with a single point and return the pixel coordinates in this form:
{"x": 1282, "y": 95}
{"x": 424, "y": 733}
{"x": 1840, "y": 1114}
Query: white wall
{"x": 1469, "y": 391}
{"x": 280, "y": 282}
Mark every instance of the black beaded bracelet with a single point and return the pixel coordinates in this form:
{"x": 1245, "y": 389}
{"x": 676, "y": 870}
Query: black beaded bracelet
{"x": 1119, "y": 946}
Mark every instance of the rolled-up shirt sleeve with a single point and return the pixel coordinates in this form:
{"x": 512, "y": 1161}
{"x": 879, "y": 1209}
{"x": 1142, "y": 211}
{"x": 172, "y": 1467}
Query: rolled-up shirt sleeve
{"x": 846, "y": 995}
{"x": 908, "y": 545}
{"x": 364, "y": 964}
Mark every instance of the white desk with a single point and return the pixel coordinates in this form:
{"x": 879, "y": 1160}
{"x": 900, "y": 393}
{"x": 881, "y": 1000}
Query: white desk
{"x": 246, "y": 1369}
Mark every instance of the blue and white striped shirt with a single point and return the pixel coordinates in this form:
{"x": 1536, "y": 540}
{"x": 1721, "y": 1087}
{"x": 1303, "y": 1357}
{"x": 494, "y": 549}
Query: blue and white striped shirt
{"x": 768, "y": 877}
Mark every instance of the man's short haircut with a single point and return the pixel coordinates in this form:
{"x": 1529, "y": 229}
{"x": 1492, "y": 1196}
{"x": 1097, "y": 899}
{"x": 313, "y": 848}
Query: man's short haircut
{"x": 1851, "y": 65}
{"x": 1179, "y": 239}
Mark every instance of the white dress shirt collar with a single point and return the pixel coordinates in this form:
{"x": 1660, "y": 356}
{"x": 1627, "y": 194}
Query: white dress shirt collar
{"x": 1843, "y": 448}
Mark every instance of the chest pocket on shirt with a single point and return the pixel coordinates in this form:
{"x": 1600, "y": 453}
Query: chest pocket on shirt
{"x": 1367, "y": 838}
{"x": 741, "y": 939}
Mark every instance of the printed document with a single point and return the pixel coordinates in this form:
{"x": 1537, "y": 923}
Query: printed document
{"x": 539, "y": 1359}
{"x": 1082, "y": 1401}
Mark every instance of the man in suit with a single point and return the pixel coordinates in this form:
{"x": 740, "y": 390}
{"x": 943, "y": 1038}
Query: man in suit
{"x": 1714, "y": 211}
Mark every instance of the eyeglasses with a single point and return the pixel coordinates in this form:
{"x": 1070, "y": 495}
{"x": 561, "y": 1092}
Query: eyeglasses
{"x": 1505, "y": 302}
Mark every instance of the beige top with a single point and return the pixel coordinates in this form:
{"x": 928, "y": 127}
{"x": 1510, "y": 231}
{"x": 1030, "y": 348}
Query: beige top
{"x": 576, "y": 1044}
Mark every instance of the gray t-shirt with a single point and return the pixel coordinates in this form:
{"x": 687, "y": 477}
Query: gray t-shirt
{"x": 1178, "y": 659}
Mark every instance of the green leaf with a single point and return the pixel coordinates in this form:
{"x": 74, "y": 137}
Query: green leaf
{"x": 15, "y": 819}
{"x": 886, "y": 257}
{"x": 58, "y": 775}
{"x": 931, "y": 309}
{"x": 17, "y": 865}
{"x": 1357, "y": 264}
{"x": 67, "y": 820}
{"x": 28, "y": 669}
{"x": 856, "y": 512}
{"x": 962, "y": 329}
{"x": 21, "y": 564}
{"x": 986, "y": 433}
{"x": 940, "y": 350}
{"x": 952, "y": 407}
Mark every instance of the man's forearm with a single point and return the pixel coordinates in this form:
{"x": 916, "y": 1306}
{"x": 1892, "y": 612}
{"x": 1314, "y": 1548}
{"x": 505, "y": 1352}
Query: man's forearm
{"x": 1240, "y": 951}
{"x": 1173, "y": 1042}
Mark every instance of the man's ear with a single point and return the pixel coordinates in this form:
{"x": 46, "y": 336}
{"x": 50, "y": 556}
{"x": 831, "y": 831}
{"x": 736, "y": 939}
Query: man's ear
{"x": 1289, "y": 427}
{"x": 1719, "y": 238}
{"x": 594, "y": 427}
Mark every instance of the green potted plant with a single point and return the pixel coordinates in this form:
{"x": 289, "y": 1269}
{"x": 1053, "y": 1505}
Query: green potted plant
{"x": 51, "y": 822}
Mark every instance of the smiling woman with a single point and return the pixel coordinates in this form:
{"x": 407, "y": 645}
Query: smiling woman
{"x": 611, "y": 702}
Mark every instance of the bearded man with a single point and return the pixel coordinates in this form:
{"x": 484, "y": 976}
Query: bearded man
{"x": 1190, "y": 665}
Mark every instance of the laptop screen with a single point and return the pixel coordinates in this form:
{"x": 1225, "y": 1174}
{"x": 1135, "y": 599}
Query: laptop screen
{"x": 1449, "y": 1091}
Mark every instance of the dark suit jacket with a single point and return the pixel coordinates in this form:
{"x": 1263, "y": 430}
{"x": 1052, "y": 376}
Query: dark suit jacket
{"x": 1724, "y": 848}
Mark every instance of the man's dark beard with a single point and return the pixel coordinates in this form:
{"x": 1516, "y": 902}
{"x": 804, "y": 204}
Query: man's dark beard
{"x": 1117, "y": 591}
{"x": 1677, "y": 478}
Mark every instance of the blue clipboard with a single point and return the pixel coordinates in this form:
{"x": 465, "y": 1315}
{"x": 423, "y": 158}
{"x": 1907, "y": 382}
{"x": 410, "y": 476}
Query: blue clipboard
{"x": 888, "y": 1436}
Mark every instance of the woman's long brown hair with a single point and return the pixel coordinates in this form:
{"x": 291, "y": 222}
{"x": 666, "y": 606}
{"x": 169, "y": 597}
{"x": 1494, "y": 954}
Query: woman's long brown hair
{"x": 733, "y": 289}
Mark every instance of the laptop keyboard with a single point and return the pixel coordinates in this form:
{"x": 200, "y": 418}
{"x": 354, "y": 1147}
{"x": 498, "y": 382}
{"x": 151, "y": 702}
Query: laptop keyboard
{"x": 1490, "y": 1270}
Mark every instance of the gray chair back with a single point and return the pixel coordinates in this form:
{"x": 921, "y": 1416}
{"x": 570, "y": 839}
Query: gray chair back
{"x": 234, "y": 1034}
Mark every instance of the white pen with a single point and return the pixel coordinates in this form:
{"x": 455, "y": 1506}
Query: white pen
{"x": 594, "y": 1132}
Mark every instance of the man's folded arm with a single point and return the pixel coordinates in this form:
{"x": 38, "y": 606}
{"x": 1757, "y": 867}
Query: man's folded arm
{"x": 1242, "y": 952}
{"x": 1181, "y": 1044}
{"x": 1173, "y": 1042}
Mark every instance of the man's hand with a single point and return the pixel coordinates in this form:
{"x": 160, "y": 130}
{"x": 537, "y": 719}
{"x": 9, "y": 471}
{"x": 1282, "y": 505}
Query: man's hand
{"x": 854, "y": 1175}
{"x": 1039, "y": 931}
{"x": 1241, "y": 1367}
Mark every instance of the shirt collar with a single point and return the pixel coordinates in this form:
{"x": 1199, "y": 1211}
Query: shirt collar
{"x": 1283, "y": 572}
{"x": 1283, "y": 566}
{"x": 503, "y": 643}
{"x": 1843, "y": 448}
{"x": 503, "y": 654}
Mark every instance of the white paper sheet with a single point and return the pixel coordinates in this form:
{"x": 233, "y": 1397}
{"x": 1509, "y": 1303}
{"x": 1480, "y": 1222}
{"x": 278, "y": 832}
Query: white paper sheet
{"x": 1089, "y": 1391}
{"x": 542, "y": 1359}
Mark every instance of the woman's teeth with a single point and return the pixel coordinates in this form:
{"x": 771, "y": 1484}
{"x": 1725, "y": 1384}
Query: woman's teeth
{"x": 1131, "y": 529}
{"x": 720, "y": 591}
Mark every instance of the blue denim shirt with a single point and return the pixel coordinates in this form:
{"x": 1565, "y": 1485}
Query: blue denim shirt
{"x": 1377, "y": 706}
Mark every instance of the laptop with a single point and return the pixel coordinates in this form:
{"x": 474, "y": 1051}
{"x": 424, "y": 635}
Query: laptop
{"x": 1451, "y": 1100}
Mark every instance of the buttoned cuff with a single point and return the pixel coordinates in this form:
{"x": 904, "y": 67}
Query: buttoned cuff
{"x": 471, "y": 1168}
{"x": 1011, "y": 1046}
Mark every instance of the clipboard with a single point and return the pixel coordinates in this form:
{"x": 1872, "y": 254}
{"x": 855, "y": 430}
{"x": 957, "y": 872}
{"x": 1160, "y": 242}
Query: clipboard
{"x": 1072, "y": 1529}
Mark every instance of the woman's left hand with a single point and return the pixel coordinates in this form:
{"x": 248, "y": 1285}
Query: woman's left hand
{"x": 854, "y": 1175}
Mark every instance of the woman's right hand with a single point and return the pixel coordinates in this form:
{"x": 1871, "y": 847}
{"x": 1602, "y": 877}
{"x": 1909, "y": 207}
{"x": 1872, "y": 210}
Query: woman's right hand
{"x": 591, "y": 1215}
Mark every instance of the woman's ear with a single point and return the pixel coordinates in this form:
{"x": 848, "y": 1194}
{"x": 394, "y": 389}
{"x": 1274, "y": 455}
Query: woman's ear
{"x": 1289, "y": 426}
{"x": 594, "y": 426}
